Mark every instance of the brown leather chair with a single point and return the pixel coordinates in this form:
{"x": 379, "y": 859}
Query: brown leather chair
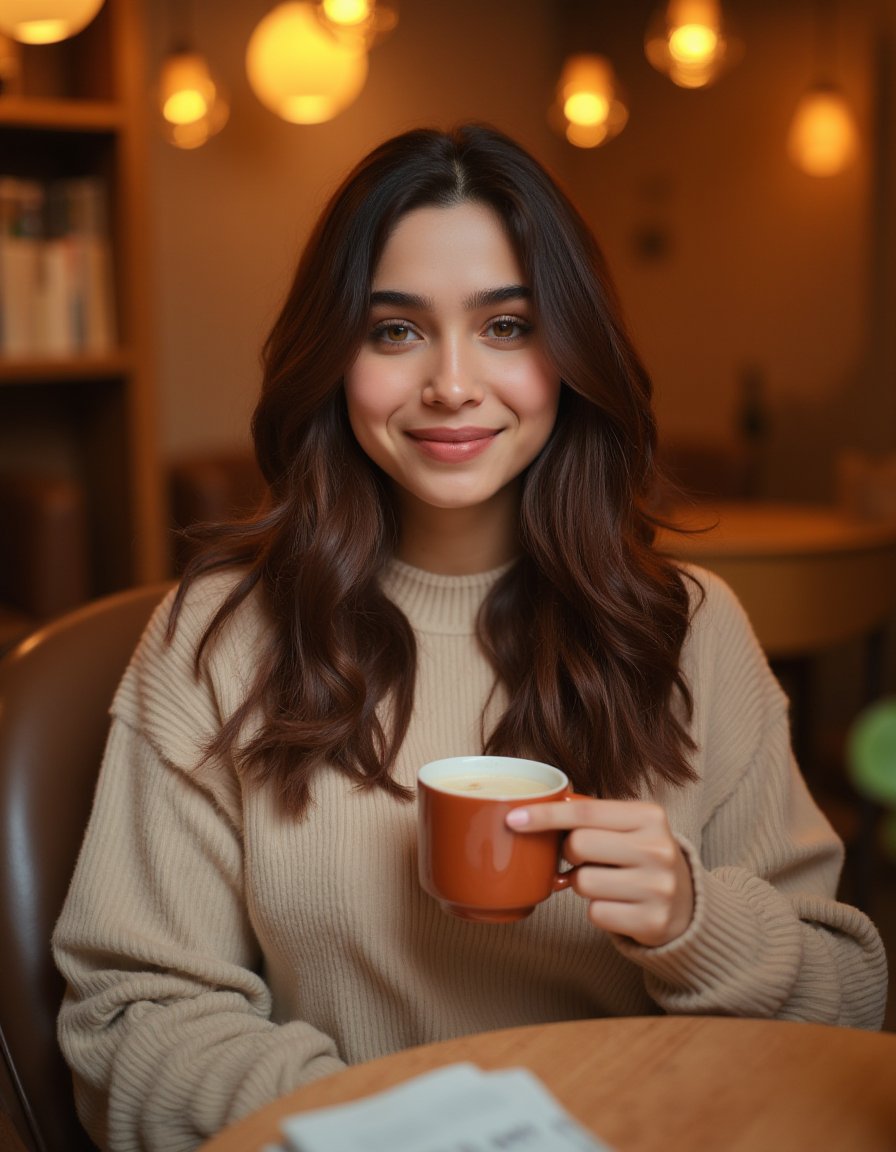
{"x": 55, "y": 691}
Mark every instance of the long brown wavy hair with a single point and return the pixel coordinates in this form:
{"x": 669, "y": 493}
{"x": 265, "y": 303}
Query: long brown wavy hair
{"x": 584, "y": 631}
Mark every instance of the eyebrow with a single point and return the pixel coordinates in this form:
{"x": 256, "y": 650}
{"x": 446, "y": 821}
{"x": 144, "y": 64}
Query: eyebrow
{"x": 480, "y": 299}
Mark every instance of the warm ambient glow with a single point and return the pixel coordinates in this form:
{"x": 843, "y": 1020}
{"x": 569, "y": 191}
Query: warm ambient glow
{"x": 586, "y": 135}
{"x": 299, "y": 69}
{"x": 46, "y": 21}
{"x": 193, "y": 106}
{"x": 823, "y": 137}
{"x": 588, "y": 108}
{"x": 687, "y": 42}
{"x": 10, "y": 64}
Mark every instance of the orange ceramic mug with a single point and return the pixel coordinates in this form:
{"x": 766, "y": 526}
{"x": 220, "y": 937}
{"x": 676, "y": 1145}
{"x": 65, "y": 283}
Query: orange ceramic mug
{"x": 468, "y": 859}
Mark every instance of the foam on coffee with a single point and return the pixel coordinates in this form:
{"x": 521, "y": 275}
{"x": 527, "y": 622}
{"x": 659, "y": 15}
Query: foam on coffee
{"x": 493, "y": 787}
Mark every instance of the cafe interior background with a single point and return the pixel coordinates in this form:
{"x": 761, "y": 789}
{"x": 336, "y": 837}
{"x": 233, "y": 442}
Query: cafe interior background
{"x": 761, "y": 295}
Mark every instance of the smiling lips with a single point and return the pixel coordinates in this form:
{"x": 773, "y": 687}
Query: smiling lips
{"x": 453, "y": 445}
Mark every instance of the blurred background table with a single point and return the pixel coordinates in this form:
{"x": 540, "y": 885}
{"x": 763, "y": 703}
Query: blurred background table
{"x": 659, "y": 1084}
{"x": 809, "y": 576}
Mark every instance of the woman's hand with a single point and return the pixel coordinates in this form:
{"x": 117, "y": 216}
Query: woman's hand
{"x": 630, "y": 867}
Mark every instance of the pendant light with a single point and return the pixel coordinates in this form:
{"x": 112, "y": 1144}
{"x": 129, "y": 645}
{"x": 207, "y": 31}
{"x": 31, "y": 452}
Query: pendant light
{"x": 46, "y": 21}
{"x": 371, "y": 20}
{"x": 690, "y": 42}
{"x": 300, "y": 69}
{"x": 589, "y": 109}
{"x": 823, "y": 139}
{"x": 192, "y": 104}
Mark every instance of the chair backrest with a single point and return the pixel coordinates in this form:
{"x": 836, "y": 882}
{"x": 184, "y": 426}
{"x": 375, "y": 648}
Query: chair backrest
{"x": 55, "y": 691}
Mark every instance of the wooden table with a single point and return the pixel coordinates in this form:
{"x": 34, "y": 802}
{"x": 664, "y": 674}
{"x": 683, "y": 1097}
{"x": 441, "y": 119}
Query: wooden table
{"x": 660, "y": 1084}
{"x": 809, "y": 577}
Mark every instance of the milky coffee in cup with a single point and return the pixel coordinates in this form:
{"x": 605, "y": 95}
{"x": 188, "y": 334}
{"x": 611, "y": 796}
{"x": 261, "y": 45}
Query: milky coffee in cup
{"x": 468, "y": 859}
{"x": 494, "y": 787}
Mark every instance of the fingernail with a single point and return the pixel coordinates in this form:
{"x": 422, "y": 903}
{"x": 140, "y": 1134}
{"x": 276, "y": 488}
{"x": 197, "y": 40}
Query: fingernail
{"x": 518, "y": 818}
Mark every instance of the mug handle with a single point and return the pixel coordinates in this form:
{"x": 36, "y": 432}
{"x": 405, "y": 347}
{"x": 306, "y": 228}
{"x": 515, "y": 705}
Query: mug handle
{"x": 564, "y": 879}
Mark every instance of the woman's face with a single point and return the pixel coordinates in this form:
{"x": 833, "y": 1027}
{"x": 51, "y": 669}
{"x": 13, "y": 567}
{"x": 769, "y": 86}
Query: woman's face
{"x": 451, "y": 394}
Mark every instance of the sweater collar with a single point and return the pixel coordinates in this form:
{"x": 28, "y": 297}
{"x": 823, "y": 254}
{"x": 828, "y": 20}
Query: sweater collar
{"x": 447, "y": 605}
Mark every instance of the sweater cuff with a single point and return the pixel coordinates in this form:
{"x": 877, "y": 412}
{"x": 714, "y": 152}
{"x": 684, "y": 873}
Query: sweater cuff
{"x": 739, "y": 956}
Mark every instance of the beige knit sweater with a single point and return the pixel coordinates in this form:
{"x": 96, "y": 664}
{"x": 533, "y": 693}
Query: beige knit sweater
{"x": 219, "y": 953}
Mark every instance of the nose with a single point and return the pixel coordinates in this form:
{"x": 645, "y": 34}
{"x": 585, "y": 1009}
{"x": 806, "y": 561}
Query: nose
{"x": 452, "y": 381}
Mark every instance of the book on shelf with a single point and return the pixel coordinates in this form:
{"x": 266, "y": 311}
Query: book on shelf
{"x": 56, "y": 282}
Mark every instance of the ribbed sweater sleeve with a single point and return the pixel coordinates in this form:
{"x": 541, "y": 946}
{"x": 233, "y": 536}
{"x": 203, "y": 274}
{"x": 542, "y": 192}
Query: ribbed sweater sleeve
{"x": 768, "y": 937}
{"x": 167, "y": 1019}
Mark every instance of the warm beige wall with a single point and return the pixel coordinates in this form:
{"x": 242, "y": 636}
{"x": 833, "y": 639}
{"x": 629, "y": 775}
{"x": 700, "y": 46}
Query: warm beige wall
{"x": 766, "y": 266}
{"x": 229, "y": 218}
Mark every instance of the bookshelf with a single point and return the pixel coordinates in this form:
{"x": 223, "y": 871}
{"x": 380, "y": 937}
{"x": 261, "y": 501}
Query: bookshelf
{"x": 76, "y": 114}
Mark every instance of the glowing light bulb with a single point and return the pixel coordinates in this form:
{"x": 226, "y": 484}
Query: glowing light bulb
{"x": 823, "y": 138}
{"x": 186, "y": 89}
{"x": 46, "y": 21}
{"x": 185, "y": 107}
{"x": 369, "y": 20}
{"x": 586, "y": 108}
{"x": 693, "y": 43}
{"x": 347, "y": 12}
{"x": 299, "y": 69}
{"x": 687, "y": 42}
{"x": 193, "y": 106}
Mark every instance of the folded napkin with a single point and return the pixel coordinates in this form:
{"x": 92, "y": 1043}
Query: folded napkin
{"x": 458, "y": 1108}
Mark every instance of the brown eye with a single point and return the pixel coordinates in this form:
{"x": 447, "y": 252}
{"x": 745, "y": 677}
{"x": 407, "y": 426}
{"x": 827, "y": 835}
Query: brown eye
{"x": 393, "y": 333}
{"x": 508, "y": 328}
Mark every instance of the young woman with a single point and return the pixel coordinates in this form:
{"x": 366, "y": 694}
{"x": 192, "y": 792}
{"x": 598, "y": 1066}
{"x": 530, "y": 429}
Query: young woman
{"x": 455, "y": 556}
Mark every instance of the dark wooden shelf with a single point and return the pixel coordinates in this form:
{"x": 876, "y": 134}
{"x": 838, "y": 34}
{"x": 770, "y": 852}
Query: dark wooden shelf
{"x": 31, "y": 112}
{"x": 79, "y": 111}
{"x": 57, "y": 369}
